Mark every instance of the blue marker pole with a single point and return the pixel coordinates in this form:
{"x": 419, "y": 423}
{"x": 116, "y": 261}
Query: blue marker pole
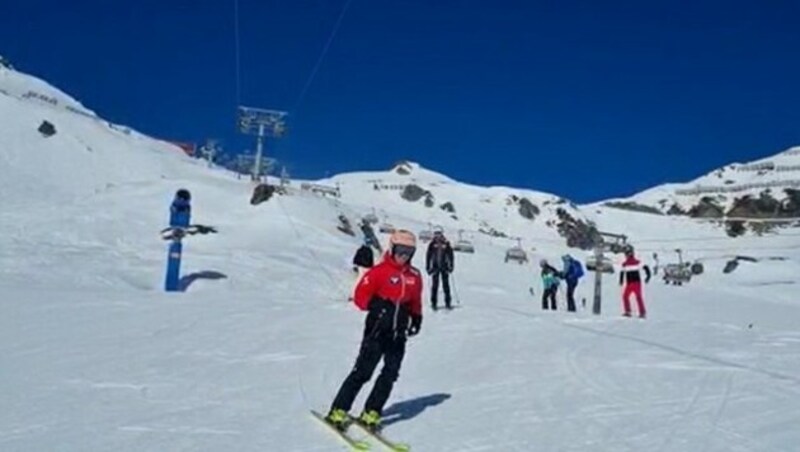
{"x": 173, "y": 279}
{"x": 180, "y": 213}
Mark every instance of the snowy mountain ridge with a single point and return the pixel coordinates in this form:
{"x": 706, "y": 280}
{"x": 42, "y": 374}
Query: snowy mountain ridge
{"x": 27, "y": 87}
{"x": 732, "y": 191}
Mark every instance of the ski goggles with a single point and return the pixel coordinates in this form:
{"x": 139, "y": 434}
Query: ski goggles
{"x": 403, "y": 250}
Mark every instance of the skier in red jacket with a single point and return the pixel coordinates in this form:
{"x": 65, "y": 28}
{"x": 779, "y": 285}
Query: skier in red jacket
{"x": 391, "y": 292}
{"x": 631, "y": 281}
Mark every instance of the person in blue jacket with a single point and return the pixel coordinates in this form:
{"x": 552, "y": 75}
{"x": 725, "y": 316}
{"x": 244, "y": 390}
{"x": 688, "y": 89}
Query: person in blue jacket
{"x": 572, "y": 272}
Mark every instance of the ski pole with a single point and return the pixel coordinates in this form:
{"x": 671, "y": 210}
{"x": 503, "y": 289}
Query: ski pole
{"x": 455, "y": 290}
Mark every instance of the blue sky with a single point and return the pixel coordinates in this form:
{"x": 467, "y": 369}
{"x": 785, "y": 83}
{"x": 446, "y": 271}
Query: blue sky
{"x": 585, "y": 99}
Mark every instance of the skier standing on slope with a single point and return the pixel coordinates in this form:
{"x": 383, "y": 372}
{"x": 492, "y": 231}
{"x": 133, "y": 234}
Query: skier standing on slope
{"x": 631, "y": 281}
{"x": 550, "y": 283}
{"x": 573, "y": 271}
{"x": 439, "y": 263}
{"x": 391, "y": 292}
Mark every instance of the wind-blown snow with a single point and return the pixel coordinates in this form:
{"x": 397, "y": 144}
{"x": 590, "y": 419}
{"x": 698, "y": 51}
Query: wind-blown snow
{"x": 95, "y": 357}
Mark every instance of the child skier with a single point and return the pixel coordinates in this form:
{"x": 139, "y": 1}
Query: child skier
{"x": 550, "y": 282}
{"x": 391, "y": 292}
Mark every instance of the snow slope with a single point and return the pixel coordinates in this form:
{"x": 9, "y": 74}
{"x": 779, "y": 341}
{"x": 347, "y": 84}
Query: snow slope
{"x": 95, "y": 357}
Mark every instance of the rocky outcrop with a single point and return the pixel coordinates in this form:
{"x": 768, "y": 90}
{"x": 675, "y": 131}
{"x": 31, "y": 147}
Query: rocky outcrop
{"x": 675, "y": 209}
{"x": 448, "y": 207}
{"x": 490, "y": 231}
{"x": 706, "y": 208}
{"x": 403, "y": 168}
{"x": 262, "y": 193}
{"x": 767, "y": 206}
{"x": 527, "y": 209}
{"x": 47, "y": 129}
{"x": 413, "y": 193}
{"x": 579, "y": 234}
{"x": 636, "y": 207}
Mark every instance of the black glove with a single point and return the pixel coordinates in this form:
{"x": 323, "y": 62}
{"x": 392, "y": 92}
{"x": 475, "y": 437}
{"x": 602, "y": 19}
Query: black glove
{"x": 416, "y": 325}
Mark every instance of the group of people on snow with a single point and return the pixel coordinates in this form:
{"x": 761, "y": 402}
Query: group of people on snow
{"x": 572, "y": 272}
{"x": 391, "y": 294}
{"x": 630, "y": 280}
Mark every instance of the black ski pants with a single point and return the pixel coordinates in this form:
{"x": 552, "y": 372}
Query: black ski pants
{"x": 372, "y": 350}
{"x": 571, "y": 285}
{"x": 549, "y": 297}
{"x": 381, "y": 340}
{"x": 445, "y": 276}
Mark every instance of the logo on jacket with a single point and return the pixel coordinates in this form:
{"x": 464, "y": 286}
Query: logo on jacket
{"x": 394, "y": 280}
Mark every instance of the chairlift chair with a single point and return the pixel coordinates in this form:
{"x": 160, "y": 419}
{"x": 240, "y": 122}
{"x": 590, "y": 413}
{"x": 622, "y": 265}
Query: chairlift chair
{"x": 426, "y": 235}
{"x": 678, "y": 274}
{"x": 614, "y": 243}
{"x": 606, "y": 265}
{"x": 463, "y": 245}
{"x": 516, "y": 253}
{"x": 371, "y": 218}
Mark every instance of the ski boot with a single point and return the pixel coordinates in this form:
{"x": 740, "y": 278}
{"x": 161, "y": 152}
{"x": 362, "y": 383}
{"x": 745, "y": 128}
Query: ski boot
{"x": 371, "y": 420}
{"x": 338, "y": 418}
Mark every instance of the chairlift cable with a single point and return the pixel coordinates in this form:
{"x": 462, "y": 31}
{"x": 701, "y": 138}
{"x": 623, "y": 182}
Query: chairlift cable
{"x": 237, "y": 44}
{"x": 318, "y": 64}
{"x": 334, "y": 282}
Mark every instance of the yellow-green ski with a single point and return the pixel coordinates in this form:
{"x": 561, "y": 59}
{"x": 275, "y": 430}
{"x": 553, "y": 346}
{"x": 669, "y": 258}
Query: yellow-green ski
{"x": 378, "y": 436}
{"x": 352, "y": 442}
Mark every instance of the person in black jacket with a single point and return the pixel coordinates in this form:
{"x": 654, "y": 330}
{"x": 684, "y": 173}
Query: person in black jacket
{"x": 363, "y": 260}
{"x": 439, "y": 263}
{"x": 363, "y": 257}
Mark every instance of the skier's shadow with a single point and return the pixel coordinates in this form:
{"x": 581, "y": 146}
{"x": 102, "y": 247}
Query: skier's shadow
{"x": 187, "y": 280}
{"x": 408, "y": 409}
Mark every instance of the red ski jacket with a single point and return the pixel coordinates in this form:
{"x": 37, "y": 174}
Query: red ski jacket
{"x": 393, "y": 282}
{"x": 630, "y": 271}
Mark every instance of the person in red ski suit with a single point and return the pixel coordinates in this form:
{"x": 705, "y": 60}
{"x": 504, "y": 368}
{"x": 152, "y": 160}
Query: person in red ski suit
{"x": 391, "y": 293}
{"x": 631, "y": 281}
